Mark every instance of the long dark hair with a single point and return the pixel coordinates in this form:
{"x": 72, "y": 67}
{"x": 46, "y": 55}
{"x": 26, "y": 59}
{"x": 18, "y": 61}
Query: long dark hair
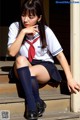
{"x": 36, "y": 8}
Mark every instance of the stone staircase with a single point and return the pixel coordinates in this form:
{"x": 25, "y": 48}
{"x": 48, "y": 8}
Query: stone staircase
{"x": 12, "y": 102}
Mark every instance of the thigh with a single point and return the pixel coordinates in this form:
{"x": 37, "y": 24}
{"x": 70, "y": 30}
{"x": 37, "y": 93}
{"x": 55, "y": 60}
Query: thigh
{"x": 40, "y": 72}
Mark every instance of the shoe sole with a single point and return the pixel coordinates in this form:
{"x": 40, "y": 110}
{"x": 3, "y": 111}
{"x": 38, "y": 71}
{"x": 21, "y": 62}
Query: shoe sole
{"x": 40, "y": 115}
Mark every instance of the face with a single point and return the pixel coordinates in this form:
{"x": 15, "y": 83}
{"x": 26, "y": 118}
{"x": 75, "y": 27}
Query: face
{"x": 29, "y": 20}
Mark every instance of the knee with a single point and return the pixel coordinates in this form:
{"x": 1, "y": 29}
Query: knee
{"x": 21, "y": 61}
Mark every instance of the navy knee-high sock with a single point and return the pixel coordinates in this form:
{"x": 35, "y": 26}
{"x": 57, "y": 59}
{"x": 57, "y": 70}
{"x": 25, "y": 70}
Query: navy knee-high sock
{"x": 25, "y": 78}
{"x": 35, "y": 88}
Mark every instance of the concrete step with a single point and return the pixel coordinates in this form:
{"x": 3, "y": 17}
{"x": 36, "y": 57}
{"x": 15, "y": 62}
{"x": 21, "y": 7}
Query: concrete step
{"x": 53, "y": 116}
{"x": 52, "y": 105}
{"x": 4, "y": 79}
{"x": 5, "y": 66}
{"x": 11, "y": 101}
{"x": 46, "y": 116}
{"x": 17, "y": 107}
{"x": 47, "y": 91}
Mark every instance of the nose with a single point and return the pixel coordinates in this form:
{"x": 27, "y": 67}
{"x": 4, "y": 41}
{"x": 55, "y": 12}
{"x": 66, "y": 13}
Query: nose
{"x": 26, "y": 19}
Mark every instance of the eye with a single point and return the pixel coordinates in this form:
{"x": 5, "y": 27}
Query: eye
{"x": 31, "y": 16}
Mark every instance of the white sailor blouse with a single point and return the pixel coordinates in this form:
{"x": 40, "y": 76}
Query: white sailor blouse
{"x": 53, "y": 46}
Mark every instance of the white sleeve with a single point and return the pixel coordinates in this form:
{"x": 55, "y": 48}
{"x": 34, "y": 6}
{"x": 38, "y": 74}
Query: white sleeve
{"x": 52, "y": 42}
{"x": 13, "y": 32}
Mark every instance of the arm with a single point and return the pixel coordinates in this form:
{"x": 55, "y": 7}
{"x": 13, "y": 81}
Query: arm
{"x": 72, "y": 85}
{"x": 15, "y": 46}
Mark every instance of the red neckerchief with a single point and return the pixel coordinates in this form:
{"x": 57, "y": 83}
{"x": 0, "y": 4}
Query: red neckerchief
{"x": 31, "y": 51}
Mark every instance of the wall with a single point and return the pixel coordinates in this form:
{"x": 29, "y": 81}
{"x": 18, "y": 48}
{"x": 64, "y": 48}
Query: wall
{"x": 60, "y": 23}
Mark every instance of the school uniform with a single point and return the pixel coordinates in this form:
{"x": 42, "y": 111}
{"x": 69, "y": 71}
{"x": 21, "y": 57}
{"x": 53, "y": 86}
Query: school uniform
{"x": 42, "y": 56}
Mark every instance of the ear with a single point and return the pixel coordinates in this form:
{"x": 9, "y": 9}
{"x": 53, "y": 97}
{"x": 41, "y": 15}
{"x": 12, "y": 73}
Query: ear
{"x": 40, "y": 18}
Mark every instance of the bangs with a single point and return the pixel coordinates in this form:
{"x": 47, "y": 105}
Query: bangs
{"x": 29, "y": 11}
{"x": 32, "y": 7}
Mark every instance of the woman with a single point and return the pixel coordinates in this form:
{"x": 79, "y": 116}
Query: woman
{"x": 34, "y": 43}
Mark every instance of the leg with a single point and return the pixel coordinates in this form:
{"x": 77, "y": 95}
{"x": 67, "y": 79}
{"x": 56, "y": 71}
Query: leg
{"x": 25, "y": 78}
{"x": 39, "y": 102}
{"x": 39, "y": 71}
{"x": 34, "y": 82}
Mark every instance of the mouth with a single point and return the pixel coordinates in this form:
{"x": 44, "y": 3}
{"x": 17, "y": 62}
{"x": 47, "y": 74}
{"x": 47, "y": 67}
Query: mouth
{"x": 26, "y": 25}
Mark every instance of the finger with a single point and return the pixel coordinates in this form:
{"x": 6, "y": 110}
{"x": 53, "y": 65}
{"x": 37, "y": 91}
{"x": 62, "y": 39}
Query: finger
{"x": 77, "y": 87}
{"x": 36, "y": 29}
{"x": 69, "y": 89}
{"x": 73, "y": 90}
{"x": 35, "y": 26}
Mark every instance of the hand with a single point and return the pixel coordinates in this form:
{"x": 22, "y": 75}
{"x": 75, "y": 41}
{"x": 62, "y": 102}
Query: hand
{"x": 31, "y": 29}
{"x": 73, "y": 86}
